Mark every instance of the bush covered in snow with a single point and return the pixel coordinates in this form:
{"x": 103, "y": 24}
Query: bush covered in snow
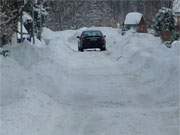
{"x": 164, "y": 21}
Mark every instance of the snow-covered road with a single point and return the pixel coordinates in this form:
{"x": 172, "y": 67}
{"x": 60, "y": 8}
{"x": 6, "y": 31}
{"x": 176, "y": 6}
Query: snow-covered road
{"x": 130, "y": 89}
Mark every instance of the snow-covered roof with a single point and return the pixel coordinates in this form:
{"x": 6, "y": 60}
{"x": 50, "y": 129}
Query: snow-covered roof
{"x": 133, "y": 18}
{"x": 26, "y": 17}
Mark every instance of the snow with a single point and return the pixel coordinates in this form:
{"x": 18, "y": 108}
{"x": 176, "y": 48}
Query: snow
{"x": 25, "y": 33}
{"x": 26, "y": 17}
{"x": 133, "y": 18}
{"x": 41, "y": 10}
{"x": 132, "y": 88}
{"x": 176, "y": 6}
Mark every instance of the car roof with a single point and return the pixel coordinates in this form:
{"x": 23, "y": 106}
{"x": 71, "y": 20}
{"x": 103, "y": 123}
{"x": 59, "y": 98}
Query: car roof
{"x": 92, "y": 31}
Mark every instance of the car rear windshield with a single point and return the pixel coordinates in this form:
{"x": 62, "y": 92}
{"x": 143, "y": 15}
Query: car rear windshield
{"x": 91, "y": 34}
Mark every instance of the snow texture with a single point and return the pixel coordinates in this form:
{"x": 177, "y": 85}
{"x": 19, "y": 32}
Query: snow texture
{"x": 133, "y": 18}
{"x": 130, "y": 89}
{"x": 176, "y": 5}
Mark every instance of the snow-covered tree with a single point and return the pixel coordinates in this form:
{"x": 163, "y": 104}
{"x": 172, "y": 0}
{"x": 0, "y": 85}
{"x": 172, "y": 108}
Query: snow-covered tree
{"x": 164, "y": 21}
{"x": 40, "y": 17}
{"x": 68, "y": 14}
{"x": 37, "y": 9}
{"x": 9, "y": 15}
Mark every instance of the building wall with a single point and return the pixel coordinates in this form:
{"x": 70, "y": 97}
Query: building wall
{"x": 142, "y": 26}
{"x": 178, "y": 23}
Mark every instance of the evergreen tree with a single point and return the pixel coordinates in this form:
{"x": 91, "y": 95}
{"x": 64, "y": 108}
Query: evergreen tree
{"x": 164, "y": 21}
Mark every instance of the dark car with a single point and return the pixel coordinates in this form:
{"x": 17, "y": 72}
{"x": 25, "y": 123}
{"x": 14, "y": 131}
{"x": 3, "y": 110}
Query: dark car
{"x": 91, "y": 39}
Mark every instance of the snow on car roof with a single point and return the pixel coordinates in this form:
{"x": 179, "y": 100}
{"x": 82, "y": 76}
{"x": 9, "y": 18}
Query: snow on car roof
{"x": 91, "y": 30}
{"x": 133, "y": 18}
{"x": 92, "y": 33}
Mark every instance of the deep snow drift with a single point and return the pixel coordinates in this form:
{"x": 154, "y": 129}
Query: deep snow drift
{"x": 130, "y": 89}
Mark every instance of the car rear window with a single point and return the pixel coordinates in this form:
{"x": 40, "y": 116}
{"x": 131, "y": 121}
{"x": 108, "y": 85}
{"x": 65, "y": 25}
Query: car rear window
{"x": 91, "y": 34}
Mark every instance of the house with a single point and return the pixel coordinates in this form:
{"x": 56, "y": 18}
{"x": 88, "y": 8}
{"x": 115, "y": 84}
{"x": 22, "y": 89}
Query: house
{"x": 136, "y": 21}
{"x": 25, "y": 34}
{"x": 28, "y": 22}
{"x": 177, "y": 15}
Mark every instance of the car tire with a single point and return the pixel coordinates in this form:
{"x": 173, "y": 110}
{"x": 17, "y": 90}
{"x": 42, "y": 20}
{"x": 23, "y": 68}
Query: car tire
{"x": 80, "y": 49}
{"x": 103, "y": 49}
